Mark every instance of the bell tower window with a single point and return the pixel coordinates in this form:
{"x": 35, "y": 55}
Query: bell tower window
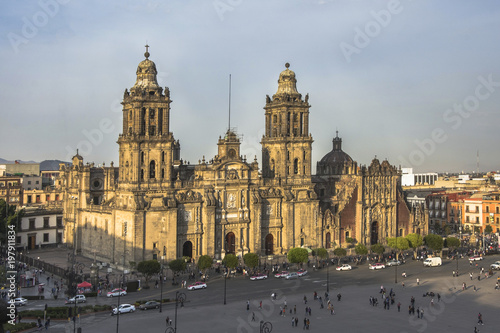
{"x": 152, "y": 169}
{"x": 296, "y": 166}
{"x": 143, "y": 121}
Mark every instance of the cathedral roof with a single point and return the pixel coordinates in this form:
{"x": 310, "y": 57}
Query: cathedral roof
{"x": 146, "y": 73}
{"x": 337, "y": 155}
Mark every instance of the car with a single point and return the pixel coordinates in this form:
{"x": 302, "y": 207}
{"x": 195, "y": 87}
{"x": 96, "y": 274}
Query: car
{"x": 281, "y": 275}
{"x": 258, "y": 277}
{"x": 377, "y": 265}
{"x": 344, "y": 267}
{"x": 124, "y": 308}
{"x": 117, "y": 292}
{"x": 292, "y": 275}
{"x": 19, "y": 301}
{"x": 301, "y": 272}
{"x": 197, "y": 285}
{"x": 474, "y": 258}
{"x": 149, "y": 305}
{"x": 495, "y": 265}
{"x": 393, "y": 262}
{"x": 77, "y": 299}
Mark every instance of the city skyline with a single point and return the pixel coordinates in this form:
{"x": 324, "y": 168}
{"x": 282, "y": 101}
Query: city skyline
{"x": 414, "y": 82}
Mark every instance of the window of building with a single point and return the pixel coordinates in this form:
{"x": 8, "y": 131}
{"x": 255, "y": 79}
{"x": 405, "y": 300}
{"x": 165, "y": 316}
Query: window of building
{"x": 37, "y": 182}
{"x": 59, "y": 221}
{"x": 29, "y": 182}
{"x": 45, "y": 222}
{"x": 57, "y": 196}
{"x": 296, "y": 166}
{"x": 32, "y": 224}
{"x": 467, "y": 208}
{"x": 477, "y": 219}
{"x": 477, "y": 209}
{"x": 18, "y": 240}
{"x": 487, "y": 209}
{"x": 46, "y": 237}
{"x": 47, "y": 197}
{"x": 497, "y": 210}
{"x": 467, "y": 219}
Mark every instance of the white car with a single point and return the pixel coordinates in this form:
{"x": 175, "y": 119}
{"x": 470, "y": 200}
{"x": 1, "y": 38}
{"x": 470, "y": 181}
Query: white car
{"x": 292, "y": 275}
{"x": 281, "y": 275}
{"x": 258, "y": 277}
{"x": 495, "y": 265}
{"x": 301, "y": 272}
{"x": 474, "y": 258}
{"x": 124, "y": 308}
{"x": 393, "y": 262}
{"x": 377, "y": 266}
{"x": 19, "y": 301}
{"x": 77, "y": 299}
{"x": 197, "y": 285}
{"x": 344, "y": 267}
{"x": 117, "y": 292}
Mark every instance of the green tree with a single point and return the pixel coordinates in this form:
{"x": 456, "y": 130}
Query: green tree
{"x": 204, "y": 263}
{"x": 251, "y": 260}
{"x": 361, "y": 250}
{"x": 378, "y": 248}
{"x": 477, "y": 230}
{"x": 177, "y": 265}
{"x": 435, "y": 242}
{"x": 230, "y": 260}
{"x": 340, "y": 252}
{"x": 8, "y": 216}
{"x": 488, "y": 229}
{"x": 321, "y": 252}
{"x": 415, "y": 240}
{"x": 452, "y": 242}
{"x": 149, "y": 268}
{"x": 298, "y": 255}
{"x": 437, "y": 228}
{"x": 399, "y": 243}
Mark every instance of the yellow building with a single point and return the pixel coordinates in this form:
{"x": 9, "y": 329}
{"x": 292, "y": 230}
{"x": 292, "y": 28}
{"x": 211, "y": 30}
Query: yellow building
{"x": 155, "y": 206}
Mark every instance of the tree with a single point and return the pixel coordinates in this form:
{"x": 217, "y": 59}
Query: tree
{"x": 378, "y": 248}
{"x": 340, "y": 252}
{"x": 477, "y": 230}
{"x": 251, "y": 260}
{"x": 321, "y": 252}
{"x": 298, "y": 255}
{"x": 177, "y": 265}
{"x": 204, "y": 263}
{"x": 360, "y": 249}
{"x": 488, "y": 229}
{"x": 398, "y": 243}
{"x": 435, "y": 242}
{"x": 8, "y": 216}
{"x": 230, "y": 260}
{"x": 148, "y": 268}
{"x": 452, "y": 242}
{"x": 437, "y": 228}
{"x": 415, "y": 240}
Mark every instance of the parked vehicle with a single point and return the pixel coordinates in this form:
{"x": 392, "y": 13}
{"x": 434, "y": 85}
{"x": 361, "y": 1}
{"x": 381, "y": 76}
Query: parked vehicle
{"x": 432, "y": 262}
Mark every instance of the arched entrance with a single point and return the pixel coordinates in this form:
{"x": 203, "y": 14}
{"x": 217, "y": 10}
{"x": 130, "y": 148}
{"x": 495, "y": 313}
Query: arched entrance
{"x": 328, "y": 241}
{"x": 230, "y": 243}
{"x": 187, "y": 249}
{"x": 269, "y": 244}
{"x": 374, "y": 233}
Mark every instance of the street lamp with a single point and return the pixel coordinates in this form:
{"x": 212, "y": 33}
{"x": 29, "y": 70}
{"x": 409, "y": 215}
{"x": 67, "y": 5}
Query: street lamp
{"x": 225, "y": 278}
{"x": 179, "y": 297}
{"x": 327, "y": 273}
{"x": 459, "y": 228}
{"x": 396, "y": 270}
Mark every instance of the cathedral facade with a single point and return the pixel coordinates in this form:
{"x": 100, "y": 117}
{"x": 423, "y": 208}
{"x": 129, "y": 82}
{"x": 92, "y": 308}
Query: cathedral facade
{"x": 155, "y": 206}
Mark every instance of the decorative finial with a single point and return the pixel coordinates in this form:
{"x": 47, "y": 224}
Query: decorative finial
{"x": 147, "y": 53}
{"x": 287, "y": 65}
{"x": 337, "y": 131}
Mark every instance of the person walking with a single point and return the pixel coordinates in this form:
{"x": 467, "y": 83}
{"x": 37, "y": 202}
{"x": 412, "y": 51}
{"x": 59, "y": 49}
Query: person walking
{"x": 399, "y": 306}
{"x": 418, "y": 281}
{"x": 422, "y": 314}
{"x": 480, "y": 319}
{"x": 253, "y": 316}
{"x": 248, "y": 305}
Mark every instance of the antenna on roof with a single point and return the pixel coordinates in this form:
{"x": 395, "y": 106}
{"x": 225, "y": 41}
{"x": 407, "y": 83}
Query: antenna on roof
{"x": 229, "y": 124}
{"x": 477, "y": 166}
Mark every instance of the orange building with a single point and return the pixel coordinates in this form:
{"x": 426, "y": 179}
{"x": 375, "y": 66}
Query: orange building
{"x": 491, "y": 211}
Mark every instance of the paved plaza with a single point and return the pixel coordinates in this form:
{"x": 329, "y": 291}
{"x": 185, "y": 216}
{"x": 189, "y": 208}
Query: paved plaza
{"x": 204, "y": 310}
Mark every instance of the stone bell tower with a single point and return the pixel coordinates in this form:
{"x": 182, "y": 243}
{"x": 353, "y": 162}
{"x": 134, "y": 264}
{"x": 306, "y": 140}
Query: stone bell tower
{"x": 287, "y": 144}
{"x": 147, "y": 147}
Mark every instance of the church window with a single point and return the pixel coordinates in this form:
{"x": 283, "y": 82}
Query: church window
{"x": 152, "y": 130}
{"x": 301, "y": 124}
{"x": 152, "y": 167}
{"x": 142, "y": 174}
{"x": 347, "y": 234}
{"x": 143, "y": 121}
{"x": 288, "y": 156}
{"x": 151, "y": 113}
{"x": 232, "y": 153}
{"x": 162, "y": 173}
{"x": 304, "y": 170}
{"x": 163, "y": 157}
{"x": 160, "y": 121}
{"x": 142, "y": 157}
{"x": 288, "y": 123}
{"x": 296, "y": 166}
{"x": 304, "y": 156}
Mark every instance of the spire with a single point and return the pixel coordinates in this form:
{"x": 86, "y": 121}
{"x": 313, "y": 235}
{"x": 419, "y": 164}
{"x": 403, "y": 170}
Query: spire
{"x": 337, "y": 142}
{"x": 287, "y": 82}
{"x": 146, "y": 73}
{"x": 147, "y": 53}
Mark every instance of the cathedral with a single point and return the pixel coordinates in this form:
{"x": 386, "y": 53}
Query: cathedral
{"x": 155, "y": 206}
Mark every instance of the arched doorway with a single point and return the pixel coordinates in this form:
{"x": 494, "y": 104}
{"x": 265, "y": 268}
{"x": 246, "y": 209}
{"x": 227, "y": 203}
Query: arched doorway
{"x": 269, "y": 244}
{"x": 187, "y": 249}
{"x": 328, "y": 241}
{"x": 230, "y": 243}
{"x": 374, "y": 233}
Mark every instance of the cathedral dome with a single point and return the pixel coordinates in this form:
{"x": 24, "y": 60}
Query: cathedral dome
{"x": 146, "y": 73}
{"x": 337, "y": 161}
{"x": 287, "y": 83}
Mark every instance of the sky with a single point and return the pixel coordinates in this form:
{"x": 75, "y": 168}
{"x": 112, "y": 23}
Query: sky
{"x": 413, "y": 82}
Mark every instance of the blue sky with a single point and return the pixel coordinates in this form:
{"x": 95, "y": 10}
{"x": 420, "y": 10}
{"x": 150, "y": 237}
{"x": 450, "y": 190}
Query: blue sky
{"x": 416, "y": 82}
